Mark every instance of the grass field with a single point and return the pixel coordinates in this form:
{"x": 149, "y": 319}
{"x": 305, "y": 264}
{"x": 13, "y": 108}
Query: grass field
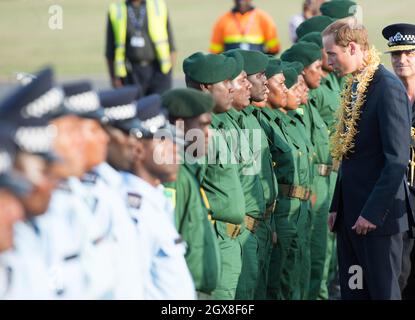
{"x": 26, "y": 42}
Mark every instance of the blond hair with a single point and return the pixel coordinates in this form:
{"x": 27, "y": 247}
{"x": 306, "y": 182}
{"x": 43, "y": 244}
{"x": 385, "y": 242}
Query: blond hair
{"x": 348, "y": 30}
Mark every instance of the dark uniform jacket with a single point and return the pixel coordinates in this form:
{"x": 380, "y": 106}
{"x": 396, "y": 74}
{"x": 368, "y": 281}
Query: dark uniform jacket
{"x": 372, "y": 179}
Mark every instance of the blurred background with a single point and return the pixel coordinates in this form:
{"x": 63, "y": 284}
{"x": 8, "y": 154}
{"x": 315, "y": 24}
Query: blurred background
{"x": 77, "y": 50}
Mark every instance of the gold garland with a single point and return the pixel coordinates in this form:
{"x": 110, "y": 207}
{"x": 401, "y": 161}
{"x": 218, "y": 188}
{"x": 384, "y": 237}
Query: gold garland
{"x": 351, "y": 104}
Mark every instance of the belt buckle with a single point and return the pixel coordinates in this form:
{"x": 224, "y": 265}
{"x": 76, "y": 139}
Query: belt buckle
{"x": 321, "y": 169}
{"x": 234, "y": 232}
{"x": 293, "y": 191}
{"x": 304, "y": 193}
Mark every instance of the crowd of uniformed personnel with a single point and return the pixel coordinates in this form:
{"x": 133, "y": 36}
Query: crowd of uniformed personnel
{"x": 220, "y": 190}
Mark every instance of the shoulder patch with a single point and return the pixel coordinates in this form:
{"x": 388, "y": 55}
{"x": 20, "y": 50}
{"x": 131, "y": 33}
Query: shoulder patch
{"x": 134, "y": 200}
{"x": 178, "y": 240}
{"x": 89, "y": 178}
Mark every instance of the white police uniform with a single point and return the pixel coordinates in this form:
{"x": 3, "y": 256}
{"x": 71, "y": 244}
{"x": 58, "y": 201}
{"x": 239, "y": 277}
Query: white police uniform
{"x": 161, "y": 247}
{"x": 23, "y": 272}
{"x": 65, "y": 226}
{"x": 109, "y": 192}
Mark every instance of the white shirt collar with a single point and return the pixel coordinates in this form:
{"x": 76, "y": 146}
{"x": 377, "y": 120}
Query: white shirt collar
{"x": 109, "y": 174}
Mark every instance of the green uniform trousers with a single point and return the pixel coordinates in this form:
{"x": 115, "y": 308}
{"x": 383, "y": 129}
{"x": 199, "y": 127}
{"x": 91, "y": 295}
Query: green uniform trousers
{"x": 248, "y": 279}
{"x": 289, "y": 269}
{"x": 319, "y": 231}
{"x": 231, "y": 258}
{"x": 264, "y": 236}
{"x": 330, "y": 264}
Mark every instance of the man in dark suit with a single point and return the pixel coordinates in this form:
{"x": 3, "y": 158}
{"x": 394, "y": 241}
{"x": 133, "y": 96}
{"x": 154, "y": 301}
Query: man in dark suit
{"x": 370, "y": 204}
{"x": 401, "y": 43}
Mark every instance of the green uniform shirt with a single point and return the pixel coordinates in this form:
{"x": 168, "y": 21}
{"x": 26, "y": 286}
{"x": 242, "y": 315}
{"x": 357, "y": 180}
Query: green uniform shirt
{"x": 261, "y": 152}
{"x": 251, "y": 184}
{"x": 318, "y": 131}
{"x": 220, "y": 179}
{"x": 191, "y": 217}
{"x": 285, "y": 157}
{"x": 326, "y": 99}
{"x": 295, "y": 129}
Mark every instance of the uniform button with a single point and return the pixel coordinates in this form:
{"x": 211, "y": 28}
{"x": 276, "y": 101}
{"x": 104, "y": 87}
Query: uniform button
{"x": 274, "y": 164}
{"x": 300, "y": 153}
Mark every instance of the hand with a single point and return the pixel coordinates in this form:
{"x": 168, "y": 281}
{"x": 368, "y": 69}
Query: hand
{"x": 363, "y": 226}
{"x": 116, "y": 83}
{"x": 332, "y": 220}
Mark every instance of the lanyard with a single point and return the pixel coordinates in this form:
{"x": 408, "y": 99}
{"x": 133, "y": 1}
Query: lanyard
{"x": 137, "y": 23}
{"x": 248, "y": 25}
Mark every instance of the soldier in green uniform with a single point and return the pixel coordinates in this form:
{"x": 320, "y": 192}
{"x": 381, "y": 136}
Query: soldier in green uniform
{"x": 218, "y": 176}
{"x": 290, "y": 155}
{"x": 192, "y": 108}
{"x": 327, "y": 100}
{"x": 297, "y": 114}
{"x": 309, "y": 54}
{"x": 257, "y": 222}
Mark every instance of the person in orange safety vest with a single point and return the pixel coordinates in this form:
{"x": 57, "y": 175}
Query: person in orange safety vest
{"x": 247, "y": 28}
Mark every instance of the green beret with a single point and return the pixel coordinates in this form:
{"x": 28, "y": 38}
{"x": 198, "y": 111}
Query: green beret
{"x": 254, "y": 61}
{"x": 297, "y": 66}
{"x": 187, "y": 103}
{"x": 313, "y": 37}
{"x": 291, "y": 77}
{"x": 314, "y": 24}
{"x": 304, "y": 52}
{"x": 235, "y": 53}
{"x": 274, "y": 67}
{"x": 338, "y": 9}
{"x": 209, "y": 68}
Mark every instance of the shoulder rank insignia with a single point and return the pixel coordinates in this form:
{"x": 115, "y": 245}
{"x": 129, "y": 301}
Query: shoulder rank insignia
{"x": 178, "y": 240}
{"x": 134, "y": 200}
{"x": 89, "y": 178}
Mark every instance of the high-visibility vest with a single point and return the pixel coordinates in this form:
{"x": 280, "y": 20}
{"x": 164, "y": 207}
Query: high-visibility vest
{"x": 157, "y": 28}
{"x": 252, "y": 30}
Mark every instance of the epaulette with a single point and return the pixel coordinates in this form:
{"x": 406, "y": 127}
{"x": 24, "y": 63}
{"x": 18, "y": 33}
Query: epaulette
{"x": 178, "y": 240}
{"x": 89, "y": 178}
{"x": 134, "y": 200}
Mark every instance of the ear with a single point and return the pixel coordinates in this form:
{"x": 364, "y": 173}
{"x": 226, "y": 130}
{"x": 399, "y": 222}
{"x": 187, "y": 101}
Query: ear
{"x": 205, "y": 88}
{"x": 353, "y": 48}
